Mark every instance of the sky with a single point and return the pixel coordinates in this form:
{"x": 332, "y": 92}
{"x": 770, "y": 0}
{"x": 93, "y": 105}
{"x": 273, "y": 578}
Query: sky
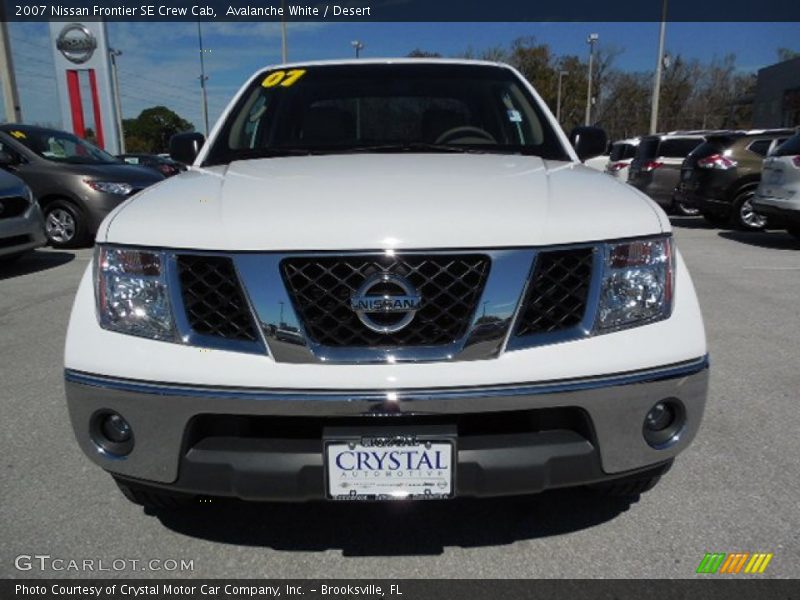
{"x": 160, "y": 61}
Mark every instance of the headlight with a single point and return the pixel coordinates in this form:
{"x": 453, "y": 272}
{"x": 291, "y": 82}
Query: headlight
{"x": 132, "y": 293}
{"x": 637, "y": 285}
{"x": 110, "y": 187}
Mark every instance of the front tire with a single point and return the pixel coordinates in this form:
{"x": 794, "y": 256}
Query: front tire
{"x": 64, "y": 224}
{"x": 744, "y": 216}
{"x": 794, "y": 231}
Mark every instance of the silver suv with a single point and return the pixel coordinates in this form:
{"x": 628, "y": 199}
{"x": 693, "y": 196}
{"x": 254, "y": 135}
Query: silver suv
{"x": 778, "y": 194}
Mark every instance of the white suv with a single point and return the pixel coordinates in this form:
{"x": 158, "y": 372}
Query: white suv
{"x": 379, "y": 280}
{"x": 778, "y": 194}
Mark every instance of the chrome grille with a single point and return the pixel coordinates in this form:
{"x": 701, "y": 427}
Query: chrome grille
{"x": 558, "y": 292}
{"x": 213, "y": 298}
{"x": 320, "y": 289}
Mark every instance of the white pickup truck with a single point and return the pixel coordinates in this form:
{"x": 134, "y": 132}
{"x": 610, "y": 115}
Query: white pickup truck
{"x": 385, "y": 279}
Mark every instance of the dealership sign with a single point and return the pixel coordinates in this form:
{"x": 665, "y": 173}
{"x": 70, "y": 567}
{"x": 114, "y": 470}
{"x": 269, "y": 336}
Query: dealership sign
{"x": 81, "y": 61}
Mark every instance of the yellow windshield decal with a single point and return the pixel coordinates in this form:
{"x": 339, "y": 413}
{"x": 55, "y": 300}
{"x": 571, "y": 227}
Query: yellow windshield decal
{"x": 283, "y": 78}
{"x": 18, "y": 134}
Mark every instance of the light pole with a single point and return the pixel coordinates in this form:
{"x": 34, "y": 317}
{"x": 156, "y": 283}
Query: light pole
{"x": 591, "y": 40}
{"x": 203, "y": 78}
{"x": 113, "y": 54}
{"x": 358, "y": 47}
{"x": 558, "y": 97}
{"x": 659, "y": 66}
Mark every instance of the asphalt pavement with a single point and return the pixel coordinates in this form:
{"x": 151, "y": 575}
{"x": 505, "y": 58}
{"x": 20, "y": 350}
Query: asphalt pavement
{"x": 735, "y": 490}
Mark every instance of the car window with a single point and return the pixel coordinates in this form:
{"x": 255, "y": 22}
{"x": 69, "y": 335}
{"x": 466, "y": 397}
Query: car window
{"x": 378, "y": 107}
{"x": 60, "y": 146}
{"x": 678, "y": 147}
{"x": 622, "y": 152}
{"x": 712, "y": 146}
{"x": 790, "y": 147}
{"x": 760, "y": 147}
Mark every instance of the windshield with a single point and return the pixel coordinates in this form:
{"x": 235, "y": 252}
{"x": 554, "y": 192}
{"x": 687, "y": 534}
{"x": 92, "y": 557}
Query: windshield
{"x": 60, "y": 146}
{"x": 385, "y": 108}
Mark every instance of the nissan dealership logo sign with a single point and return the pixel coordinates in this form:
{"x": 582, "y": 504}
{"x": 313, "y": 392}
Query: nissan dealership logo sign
{"x": 76, "y": 43}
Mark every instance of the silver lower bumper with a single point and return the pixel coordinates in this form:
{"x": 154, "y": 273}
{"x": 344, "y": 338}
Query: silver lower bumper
{"x": 160, "y": 413}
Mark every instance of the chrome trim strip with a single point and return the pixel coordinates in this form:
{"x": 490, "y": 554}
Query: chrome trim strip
{"x": 586, "y": 327}
{"x": 187, "y": 335}
{"x": 673, "y": 371}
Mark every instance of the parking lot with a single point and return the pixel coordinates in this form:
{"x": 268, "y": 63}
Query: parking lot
{"x": 734, "y": 490}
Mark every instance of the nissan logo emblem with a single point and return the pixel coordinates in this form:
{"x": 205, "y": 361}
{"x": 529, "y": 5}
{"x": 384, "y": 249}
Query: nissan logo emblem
{"x": 76, "y": 43}
{"x": 391, "y": 306}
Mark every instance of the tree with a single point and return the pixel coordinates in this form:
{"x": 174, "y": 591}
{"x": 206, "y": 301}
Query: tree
{"x": 787, "y": 54}
{"x": 152, "y": 129}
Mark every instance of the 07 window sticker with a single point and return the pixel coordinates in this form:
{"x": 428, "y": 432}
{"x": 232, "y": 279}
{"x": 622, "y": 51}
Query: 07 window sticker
{"x": 283, "y": 78}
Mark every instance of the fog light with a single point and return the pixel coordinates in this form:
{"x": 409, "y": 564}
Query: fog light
{"x": 664, "y": 423}
{"x": 660, "y": 417}
{"x": 115, "y": 428}
{"x": 111, "y": 433}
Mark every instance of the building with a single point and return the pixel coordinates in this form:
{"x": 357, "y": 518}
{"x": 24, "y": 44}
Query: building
{"x": 777, "y": 97}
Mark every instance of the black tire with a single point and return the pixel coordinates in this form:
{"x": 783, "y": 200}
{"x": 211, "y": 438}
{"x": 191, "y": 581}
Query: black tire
{"x": 153, "y": 498}
{"x": 742, "y": 207}
{"x": 794, "y": 231}
{"x": 65, "y": 224}
{"x": 715, "y": 219}
{"x": 633, "y": 485}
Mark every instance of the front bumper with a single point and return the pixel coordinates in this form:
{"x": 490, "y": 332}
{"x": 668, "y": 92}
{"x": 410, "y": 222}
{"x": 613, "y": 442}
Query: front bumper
{"x": 23, "y": 233}
{"x": 577, "y": 431}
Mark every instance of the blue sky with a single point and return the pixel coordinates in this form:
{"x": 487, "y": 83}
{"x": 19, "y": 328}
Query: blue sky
{"x": 160, "y": 63}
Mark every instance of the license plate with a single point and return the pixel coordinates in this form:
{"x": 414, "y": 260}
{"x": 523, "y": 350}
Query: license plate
{"x": 393, "y": 468}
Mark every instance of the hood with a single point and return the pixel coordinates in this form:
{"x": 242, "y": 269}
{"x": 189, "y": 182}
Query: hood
{"x": 115, "y": 172}
{"x": 381, "y": 201}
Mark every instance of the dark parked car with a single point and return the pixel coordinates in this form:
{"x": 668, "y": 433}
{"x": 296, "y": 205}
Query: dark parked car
{"x": 720, "y": 177}
{"x": 166, "y": 166}
{"x": 75, "y": 183}
{"x": 21, "y": 223}
{"x": 656, "y": 168}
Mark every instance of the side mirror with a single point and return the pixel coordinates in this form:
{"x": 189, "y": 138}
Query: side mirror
{"x": 588, "y": 141}
{"x": 6, "y": 160}
{"x": 184, "y": 147}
